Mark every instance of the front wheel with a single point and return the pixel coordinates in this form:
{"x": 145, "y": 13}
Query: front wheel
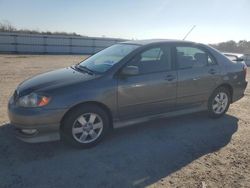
{"x": 219, "y": 102}
{"x": 85, "y": 126}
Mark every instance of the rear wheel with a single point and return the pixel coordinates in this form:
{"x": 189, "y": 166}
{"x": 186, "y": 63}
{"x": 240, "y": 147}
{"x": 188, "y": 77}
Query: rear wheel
{"x": 85, "y": 126}
{"x": 219, "y": 102}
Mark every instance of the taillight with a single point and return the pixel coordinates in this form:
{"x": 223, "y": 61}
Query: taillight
{"x": 245, "y": 71}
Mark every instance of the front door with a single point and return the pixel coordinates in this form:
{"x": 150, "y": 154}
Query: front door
{"x": 153, "y": 90}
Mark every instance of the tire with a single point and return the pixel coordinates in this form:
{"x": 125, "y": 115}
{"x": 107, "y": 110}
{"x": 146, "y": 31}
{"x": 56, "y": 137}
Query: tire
{"x": 219, "y": 102}
{"x": 85, "y": 126}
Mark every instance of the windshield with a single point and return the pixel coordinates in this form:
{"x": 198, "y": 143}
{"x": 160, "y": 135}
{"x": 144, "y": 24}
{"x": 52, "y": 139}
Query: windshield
{"x": 105, "y": 59}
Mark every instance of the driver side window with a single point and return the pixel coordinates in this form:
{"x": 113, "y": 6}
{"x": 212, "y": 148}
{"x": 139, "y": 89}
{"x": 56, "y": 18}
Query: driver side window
{"x": 156, "y": 59}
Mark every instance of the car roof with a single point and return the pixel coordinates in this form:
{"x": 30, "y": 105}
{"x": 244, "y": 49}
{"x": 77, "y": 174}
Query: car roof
{"x": 156, "y": 41}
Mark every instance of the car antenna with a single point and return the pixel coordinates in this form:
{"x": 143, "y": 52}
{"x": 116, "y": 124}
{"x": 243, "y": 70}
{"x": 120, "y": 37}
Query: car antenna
{"x": 189, "y": 32}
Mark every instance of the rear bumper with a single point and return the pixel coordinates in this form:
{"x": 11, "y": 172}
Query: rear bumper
{"x": 44, "y": 122}
{"x": 238, "y": 91}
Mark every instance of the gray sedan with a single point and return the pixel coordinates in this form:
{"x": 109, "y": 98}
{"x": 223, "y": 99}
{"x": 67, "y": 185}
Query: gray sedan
{"x": 125, "y": 84}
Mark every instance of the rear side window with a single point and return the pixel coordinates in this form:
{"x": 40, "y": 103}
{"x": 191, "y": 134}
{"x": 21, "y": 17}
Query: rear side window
{"x": 191, "y": 57}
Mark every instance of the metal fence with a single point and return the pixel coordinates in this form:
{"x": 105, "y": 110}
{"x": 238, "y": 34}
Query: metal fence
{"x": 52, "y": 44}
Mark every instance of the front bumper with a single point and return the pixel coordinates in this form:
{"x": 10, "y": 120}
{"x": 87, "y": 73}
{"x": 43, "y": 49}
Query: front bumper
{"x": 39, "y": 136}
{"x": 46, "y": 122}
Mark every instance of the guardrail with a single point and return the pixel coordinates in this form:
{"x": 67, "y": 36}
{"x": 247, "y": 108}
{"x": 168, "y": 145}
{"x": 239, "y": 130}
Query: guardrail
{"x": 52, "y": 44}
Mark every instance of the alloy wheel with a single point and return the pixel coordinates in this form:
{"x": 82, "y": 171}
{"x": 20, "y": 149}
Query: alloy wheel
{"x": 87, "y": 128}
{"x": 220, "y": 103}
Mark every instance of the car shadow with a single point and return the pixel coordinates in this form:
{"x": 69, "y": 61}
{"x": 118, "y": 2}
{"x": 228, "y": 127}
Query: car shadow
{"x": 135, "y": 156}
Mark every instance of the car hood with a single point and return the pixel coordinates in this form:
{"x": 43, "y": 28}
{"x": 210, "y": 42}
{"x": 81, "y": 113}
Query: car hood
{"x": 53, "y": 79}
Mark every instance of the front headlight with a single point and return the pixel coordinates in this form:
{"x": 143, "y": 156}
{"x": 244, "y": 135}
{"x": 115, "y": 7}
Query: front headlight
{"x": 33, "y": 100}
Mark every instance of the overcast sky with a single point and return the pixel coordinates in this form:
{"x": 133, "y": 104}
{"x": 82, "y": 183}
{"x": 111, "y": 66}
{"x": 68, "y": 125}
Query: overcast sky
{"x": 216, "y": 20}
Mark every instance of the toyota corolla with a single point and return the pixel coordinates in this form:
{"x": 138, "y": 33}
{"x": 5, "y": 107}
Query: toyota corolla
{"x": 125, "y": 84}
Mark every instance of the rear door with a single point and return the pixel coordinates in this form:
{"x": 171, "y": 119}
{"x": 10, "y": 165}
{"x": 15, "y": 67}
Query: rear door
{"x": 153, "y": 90}
{"x": 198, "y": 74}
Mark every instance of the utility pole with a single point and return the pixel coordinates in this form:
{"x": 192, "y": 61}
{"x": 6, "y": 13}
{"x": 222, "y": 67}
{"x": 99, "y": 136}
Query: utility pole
{"x": 189, "y": 32}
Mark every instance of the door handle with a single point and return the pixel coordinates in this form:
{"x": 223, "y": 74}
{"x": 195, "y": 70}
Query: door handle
{"x": 170, "y": 77}
{"x": 212, "y": 71}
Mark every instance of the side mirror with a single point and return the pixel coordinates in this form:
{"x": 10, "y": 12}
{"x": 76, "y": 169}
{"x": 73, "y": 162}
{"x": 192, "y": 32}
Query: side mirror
{"x": 130, "y": 71}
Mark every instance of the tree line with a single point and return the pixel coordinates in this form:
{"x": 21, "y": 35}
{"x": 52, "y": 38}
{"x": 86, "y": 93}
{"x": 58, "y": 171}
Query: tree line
{"x": 5, "y": 26}
{"x": 243, "y": 46}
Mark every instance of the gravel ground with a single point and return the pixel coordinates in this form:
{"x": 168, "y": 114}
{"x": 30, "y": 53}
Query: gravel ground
{"x": 188, "y": 151}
